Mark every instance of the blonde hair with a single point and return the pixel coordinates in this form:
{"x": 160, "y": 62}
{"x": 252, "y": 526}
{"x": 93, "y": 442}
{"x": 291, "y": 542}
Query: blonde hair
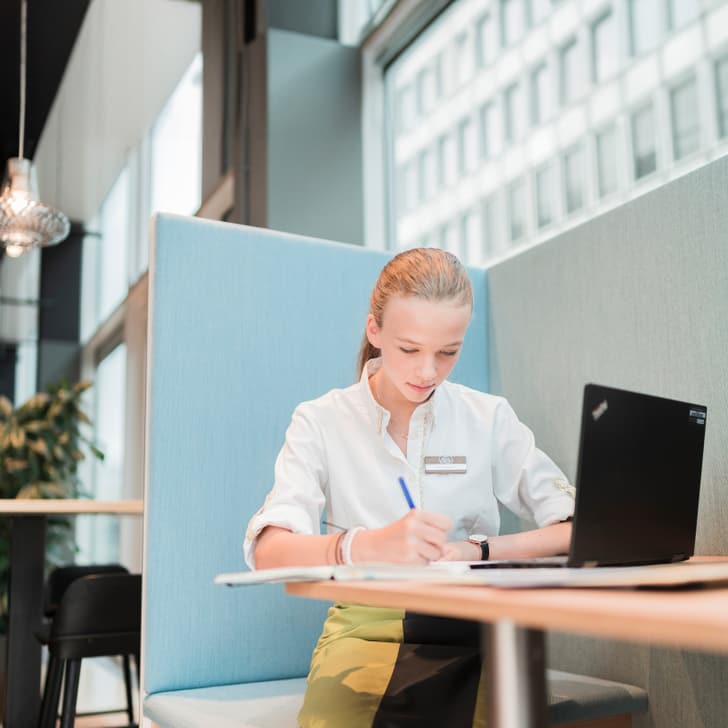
{"x": 428, "y": 273}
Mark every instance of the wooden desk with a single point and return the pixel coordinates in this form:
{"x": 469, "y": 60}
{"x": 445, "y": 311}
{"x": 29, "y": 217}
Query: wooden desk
{"x": 514, "y": 621}
{"x": 25, "y": 594}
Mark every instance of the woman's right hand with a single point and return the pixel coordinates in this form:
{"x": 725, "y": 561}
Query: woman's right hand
{"x": 419, "y": 537}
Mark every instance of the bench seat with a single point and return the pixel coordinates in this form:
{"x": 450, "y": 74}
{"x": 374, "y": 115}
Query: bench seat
{"x": 275, "y": 703}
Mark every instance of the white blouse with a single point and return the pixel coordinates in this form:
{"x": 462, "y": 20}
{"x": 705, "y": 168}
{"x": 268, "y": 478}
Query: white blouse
{"x": 338, "y": 456}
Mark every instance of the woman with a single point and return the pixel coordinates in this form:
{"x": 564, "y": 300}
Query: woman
{"x": 462, "y": 452}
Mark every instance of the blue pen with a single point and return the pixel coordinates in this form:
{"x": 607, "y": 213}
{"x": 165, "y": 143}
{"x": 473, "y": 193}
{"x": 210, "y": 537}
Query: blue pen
{"x": 406, "y": 492}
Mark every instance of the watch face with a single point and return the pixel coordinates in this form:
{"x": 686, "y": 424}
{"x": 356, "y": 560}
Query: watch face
{"x": 477, "y": 537}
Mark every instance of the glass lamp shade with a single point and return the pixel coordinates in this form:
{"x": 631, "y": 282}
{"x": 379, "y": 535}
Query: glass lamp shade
{"x": 25, "y": 222}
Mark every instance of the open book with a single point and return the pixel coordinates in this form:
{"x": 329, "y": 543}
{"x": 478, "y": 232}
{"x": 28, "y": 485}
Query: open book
{"x": 437, "y": 571}
{"x": 467, "y": 573}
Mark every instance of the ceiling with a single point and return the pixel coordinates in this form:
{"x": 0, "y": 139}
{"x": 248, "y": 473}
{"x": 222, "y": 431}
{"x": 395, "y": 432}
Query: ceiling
{"x": 52, "y": 30}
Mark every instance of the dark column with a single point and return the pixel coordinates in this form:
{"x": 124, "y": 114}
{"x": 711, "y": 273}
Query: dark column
{"x": 8, "y": 357}
{"x": 59, "y": 316}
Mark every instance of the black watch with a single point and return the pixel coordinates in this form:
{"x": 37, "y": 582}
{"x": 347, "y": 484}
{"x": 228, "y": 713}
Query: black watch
{"x": 481, "y": 540}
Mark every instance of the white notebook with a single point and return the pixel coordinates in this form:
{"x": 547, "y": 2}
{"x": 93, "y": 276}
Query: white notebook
{"x": 467, "y": 573}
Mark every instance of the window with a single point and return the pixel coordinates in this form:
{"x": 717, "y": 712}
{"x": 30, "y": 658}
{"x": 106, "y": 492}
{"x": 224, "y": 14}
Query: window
{"x": 681, "y": 12}
{"x": 406, "y": 108}
{"x": 464, "y": 59}
{"x": 605, "y": 45}
{"x": 721, "y": 84}
{"x": 684, "y": 113}
{"x": 98, "y": 536}
{"x": 644, "y": 18}
{"x": 513, "y": 113}
{"x": 489, "y": 141}
{"x": 538, "y": 10}
{"x": 546, "y": 195}
{"x": 512, "y": 21}
{"x": 489, "y": 243}
{"x": 540, "y": 95}
{"x": 426, "y": 90}
{"x": 115, "y": 229}
{"x": 467, "y": 146}
{"x": 571, "y": 72}
{"x": 450, "y": 238}
{"x": 470, "y": 240}
{"x": 644, "y": 149}
{"x": 574, "y": 179}
{"x": 176, "y": 147}
{"x": 517, "y": 210}
{"x": 486, "y": 41}
{"x": 607, "y": 180}
{"x": 448, "y": 159}
{"x": 427, "y": 173}
{"x": 411, "y": 185}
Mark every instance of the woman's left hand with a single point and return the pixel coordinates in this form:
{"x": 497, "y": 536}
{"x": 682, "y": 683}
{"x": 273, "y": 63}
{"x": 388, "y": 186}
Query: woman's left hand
{"x": 460, "y": 551}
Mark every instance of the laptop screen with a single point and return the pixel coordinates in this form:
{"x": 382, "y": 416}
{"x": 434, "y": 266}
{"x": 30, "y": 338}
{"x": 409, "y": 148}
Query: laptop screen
{"x": 638, "y": 478}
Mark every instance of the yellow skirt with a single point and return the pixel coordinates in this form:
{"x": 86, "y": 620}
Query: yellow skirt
{"x": 386, "y": 668}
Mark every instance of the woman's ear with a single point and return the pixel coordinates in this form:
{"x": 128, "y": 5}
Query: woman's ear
{"x": 373, "y": 331}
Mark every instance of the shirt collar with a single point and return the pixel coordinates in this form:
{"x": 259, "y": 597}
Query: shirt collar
{"x": 378, "y": 414}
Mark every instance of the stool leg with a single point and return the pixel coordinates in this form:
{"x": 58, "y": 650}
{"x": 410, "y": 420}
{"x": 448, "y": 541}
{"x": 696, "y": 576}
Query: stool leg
{"x": 51, "y": 692}
{"x": 70, "y": 692}
{"x": 127, "y": 684}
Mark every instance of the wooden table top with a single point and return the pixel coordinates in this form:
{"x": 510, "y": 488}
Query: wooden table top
{"x": 688, "y": 618}
{"x": 68, "y": 506}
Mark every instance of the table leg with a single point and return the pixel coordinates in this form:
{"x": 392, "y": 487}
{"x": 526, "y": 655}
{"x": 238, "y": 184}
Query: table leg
{"x": 515, "y": 676}
{"x": 25, "y": 592}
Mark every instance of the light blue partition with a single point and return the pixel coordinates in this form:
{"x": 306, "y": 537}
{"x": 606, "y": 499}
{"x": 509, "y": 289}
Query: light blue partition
{"x": 243, "y": 325}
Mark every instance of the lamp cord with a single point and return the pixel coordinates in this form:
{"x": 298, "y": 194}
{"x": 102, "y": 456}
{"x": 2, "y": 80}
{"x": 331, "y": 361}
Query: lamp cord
{"x": 23, "y": 32}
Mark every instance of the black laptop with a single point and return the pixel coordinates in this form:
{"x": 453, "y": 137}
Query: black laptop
{"x": 637, "y": 483}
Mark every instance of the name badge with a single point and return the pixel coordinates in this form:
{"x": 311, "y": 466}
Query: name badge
{"x": 446, "y": 464}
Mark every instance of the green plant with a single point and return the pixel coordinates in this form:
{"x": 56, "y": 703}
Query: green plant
{"x": 40, "y": 449}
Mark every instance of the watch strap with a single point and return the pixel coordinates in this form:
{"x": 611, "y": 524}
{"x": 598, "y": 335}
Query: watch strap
{"x": 484, "y": 551}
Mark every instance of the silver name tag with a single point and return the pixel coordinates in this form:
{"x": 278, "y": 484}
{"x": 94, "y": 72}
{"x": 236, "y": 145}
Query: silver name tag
{"x": 446, "y": 464}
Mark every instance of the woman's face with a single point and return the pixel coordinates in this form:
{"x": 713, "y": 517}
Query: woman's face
{"x": 420, "y": 343}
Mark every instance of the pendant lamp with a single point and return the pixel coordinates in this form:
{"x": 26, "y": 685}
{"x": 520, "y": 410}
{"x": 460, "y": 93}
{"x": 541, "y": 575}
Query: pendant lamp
{"x": 25, "y": 222}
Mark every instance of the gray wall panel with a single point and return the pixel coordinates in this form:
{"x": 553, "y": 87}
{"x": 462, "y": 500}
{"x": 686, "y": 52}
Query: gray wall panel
{"x": 314, "y": 138}
{"x": 637, "y": 299}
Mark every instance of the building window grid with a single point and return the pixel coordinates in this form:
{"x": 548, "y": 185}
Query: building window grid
{"x": 643, "y": 159}
{"x": 540, "y": 95}
{"x": 517, "y": 210}
{"x": 721, "y": 94}
{"x": 681, "y": 12}
{"x": 607, "y": 162}
{"x": 684, "y": 118}
{"x": 645, "y": 24}
{"x": 605, "y": 59}
{"x": 644, "y": 143}
{"x": 546, "y": 195}
{"x": 574, "y": 178}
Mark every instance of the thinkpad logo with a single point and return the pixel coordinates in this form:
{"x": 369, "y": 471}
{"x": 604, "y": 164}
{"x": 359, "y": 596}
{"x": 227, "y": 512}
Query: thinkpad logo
{"x": 599, "y": 410}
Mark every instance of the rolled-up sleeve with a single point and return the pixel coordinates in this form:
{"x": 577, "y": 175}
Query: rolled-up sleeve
{"x": 525, "y": 479}
{"x": 297, "y": 498}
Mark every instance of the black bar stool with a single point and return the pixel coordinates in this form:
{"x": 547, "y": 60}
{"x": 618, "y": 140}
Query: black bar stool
{"x": 98, "y": 615}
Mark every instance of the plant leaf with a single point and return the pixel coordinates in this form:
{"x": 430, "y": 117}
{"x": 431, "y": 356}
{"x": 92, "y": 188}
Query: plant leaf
{"x": 38, "y": 446}
{"x": 17, "y": 438}
{"x": 12, "y": 465}
{"x": 6, "y": 408}
{"x": 42, "y": 489}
